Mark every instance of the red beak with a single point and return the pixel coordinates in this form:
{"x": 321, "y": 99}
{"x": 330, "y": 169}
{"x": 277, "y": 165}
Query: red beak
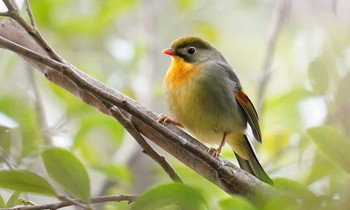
{"x": 169, "y": 51}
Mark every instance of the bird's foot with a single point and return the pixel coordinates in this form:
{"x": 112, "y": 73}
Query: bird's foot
{"x": 162, "y": 118}
{"x": 215, "y": 152}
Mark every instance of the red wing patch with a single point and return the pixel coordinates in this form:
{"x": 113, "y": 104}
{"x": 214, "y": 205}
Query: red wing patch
{"x": 251, "y": 113}
{"x": 242, "y": 97}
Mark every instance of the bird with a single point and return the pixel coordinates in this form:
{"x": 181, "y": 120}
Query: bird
{"x": 204, "y": 95}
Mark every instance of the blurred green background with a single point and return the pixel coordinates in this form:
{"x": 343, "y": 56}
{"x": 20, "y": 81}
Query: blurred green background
{"x": 305, "y": 112}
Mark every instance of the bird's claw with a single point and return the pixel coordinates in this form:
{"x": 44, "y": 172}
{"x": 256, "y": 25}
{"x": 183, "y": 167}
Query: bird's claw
{"x": 214, "y": 152}
{"x": 162, "y": 118}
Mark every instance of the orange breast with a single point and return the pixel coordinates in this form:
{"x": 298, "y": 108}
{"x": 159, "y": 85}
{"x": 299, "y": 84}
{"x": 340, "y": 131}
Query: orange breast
{"x": 180, "y": 72}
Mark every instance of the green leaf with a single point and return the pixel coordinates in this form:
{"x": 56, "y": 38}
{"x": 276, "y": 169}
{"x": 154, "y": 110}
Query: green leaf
{"x": 68, "y": 171}
{"x": 332, "y": 145}
{"x": 26, "y": 118}
{"x": 2, "y": 202}
{"x": 13, "y": 200}
{"x": 236, "y": 202}
{"x": 281, "y": 201}
{"x": 170, "y": 196}
{"x": 297, "y": 189}
{"x": 25, "y": 181}
{"x": 321, "y": 167}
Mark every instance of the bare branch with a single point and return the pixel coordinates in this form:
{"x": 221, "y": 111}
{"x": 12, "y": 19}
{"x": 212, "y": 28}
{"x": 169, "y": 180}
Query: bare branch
{"x": 129, "y": 126}
{"x": 5, "y": 14}
{"x": 14, "y": 13}
{"x": 75, "y": 202}
{"x": 40, "y": 110}
{"x": 277, "y": 22}
{"x": 58, "y": 205}
{"x": 11, "y": 6}
{"x": 30, "y": 14}
{"x": 25, "y": 52}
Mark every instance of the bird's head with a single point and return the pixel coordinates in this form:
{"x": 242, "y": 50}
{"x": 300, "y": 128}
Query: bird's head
{"x": 193, "y": 50}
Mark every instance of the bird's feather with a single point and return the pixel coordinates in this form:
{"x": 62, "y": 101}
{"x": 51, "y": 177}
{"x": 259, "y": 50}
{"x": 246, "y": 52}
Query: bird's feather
{"x": 252, "y": 165}
{"x": 251, "y": 113}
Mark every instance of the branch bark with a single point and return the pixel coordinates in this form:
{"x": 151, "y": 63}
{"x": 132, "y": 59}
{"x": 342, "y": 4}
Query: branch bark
{"x": 127, "y": 121}
{"x": 58, "y": 205}
{"x": 189, "y": 151}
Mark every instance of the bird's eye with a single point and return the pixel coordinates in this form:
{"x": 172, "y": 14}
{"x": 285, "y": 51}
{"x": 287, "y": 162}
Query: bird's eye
{"x": 191, "y": 50}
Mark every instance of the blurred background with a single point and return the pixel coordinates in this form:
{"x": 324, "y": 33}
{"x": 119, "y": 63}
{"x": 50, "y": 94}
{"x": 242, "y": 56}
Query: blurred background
{"x": 292, "y": 57}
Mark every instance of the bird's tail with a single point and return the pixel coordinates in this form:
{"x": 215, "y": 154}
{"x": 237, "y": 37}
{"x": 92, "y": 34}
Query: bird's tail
{"x": 252, "y": 165}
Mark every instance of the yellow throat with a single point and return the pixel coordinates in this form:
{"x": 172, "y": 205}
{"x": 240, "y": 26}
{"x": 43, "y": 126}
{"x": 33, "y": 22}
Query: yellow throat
{"x": 180, "y": 72}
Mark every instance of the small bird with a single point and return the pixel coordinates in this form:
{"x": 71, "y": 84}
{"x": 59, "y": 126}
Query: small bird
{"x": 205, "y": 96}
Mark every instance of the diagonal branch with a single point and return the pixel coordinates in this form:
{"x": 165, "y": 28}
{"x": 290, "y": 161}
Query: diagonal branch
{"x": 278, "y": 19}
{"x": 11, "y": 6}
{"x": 40, "y": 110}
{"x": 127, "y": 122}
{"x": 13, "y": 12}
{"x": 30, "y": 14}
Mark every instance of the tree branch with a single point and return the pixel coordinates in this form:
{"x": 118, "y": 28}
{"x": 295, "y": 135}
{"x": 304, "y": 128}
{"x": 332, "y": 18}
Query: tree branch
{"x": 277, "y": 21}
{"x": 128, "y": 124}
{"x": 13, "y": 12}
{"x": 30, "y": 14}
{"x": 58, "y": 205}
{"x": 222, "y": 173}
{"x": 11, "y": 6}
{"x": 40, "y": 110}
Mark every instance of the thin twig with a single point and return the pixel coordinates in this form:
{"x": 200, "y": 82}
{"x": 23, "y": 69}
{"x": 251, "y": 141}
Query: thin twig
{"x": 129, "y": 126}
{"x": 40, "y": 110}
{"x": 157, "y": 157}
{"x": 277, "y": 22}
{"x": 58, "y": 205}
{"x": 8, "y": 44}
{"x": 11, "y": 6}
{"x": 14, "y": 13}
{"x": 30, "y": 14}
{"x": 5, "y": 14}
{"x": 75, "y": 202}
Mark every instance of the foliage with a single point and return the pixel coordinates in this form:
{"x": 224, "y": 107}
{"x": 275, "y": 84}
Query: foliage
{"x": 171, "y": 196}
{"x": 304, "y": 118}
{"x": 68, "y": 171}
{"x": 25, "y": 181}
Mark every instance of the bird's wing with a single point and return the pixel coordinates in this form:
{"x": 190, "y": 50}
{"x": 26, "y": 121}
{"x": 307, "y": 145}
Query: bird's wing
{"x": 240, "y": 96}
{"x": 223, "y": 66}
{"x": 251, "y": 113}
